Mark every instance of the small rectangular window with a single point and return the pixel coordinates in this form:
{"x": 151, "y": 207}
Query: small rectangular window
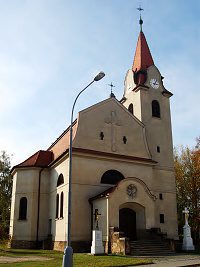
{"x": 162, "y": 218}
{"x": 101, "y": 135}
{"x": 158, "y": 149}
{"x": 160, "y": 196}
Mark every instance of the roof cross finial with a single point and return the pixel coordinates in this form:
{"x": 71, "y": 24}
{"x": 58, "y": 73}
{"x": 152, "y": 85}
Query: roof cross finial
{"x": 140, "y": 21}
{"x": 111, "y": 90}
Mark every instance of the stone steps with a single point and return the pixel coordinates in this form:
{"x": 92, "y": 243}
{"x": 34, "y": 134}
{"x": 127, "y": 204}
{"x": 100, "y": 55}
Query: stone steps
{"x": 150, "y": 247}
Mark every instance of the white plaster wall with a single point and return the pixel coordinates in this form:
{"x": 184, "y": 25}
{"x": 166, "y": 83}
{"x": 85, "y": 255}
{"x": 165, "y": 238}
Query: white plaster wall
{"x": 87, "y": 183}
{"x": 120, "y": 196}
{"x": 59, "y": 226}
{"x": 13, "y": 210}
{"x": 97, "y": 118}
{"x": 26, "y": 185}
{"x": 44, "y": 205}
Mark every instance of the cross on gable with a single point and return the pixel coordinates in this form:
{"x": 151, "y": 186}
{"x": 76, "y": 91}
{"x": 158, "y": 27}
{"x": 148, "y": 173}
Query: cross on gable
{"x": 113, "y": 120}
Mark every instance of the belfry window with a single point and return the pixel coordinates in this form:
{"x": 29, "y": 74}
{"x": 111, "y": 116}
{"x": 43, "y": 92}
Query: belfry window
{"x": 155, "y": 109}
{"x": 124, "y": 139}
{"x": 130, "y": 108}
{"x": 61, "y": 205}
{"x": 60, "y": 180}
{"x": 23, "y": 208}
{"x": 162, "y": 218}
{"x": 57, "y": 205}
{"x": 111, "y": 177}
{"x": 101, "y": 135}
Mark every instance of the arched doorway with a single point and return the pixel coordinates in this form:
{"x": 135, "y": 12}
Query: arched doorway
{"x": 127, "y": 223}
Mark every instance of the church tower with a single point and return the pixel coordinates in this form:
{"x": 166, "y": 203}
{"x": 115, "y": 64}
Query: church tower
{"x": 146, "y": 98}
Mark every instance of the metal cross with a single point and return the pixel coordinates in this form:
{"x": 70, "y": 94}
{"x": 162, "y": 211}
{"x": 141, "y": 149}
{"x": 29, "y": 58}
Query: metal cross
{"x": 140, "y": 9}
{"x": 111, "y": 90}
{"x": 140, "y": 21}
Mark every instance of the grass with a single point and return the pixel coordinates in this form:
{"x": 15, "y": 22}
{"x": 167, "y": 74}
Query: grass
{"x": 80, "y": 259}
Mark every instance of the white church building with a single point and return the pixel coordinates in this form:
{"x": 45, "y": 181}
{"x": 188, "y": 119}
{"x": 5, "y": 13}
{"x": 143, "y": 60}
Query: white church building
{"x": 122, "y": 168}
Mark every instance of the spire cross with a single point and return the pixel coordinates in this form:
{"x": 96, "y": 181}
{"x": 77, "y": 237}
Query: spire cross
{"x": 111, "y": 90}
{"x": 140, "y": 21}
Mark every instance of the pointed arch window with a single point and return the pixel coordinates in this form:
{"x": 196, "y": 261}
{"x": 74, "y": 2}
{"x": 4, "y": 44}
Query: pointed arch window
{"x": 57, "y": 205}
{"x": 130, "y": 108}
{"x": 60, "y": 180}
{"x": 23, "y": 208}
{"x": 155, "y": 109}
{"x": 61, "y": 204}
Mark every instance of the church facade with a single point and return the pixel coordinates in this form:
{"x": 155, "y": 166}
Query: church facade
{"x": 122, "y": 170}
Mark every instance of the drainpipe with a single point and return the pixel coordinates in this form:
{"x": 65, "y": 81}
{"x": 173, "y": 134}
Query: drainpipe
{"x": 91, "y": 204}
{"x": 38, "y": 209}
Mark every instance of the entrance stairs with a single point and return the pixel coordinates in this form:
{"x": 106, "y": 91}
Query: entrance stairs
{"x": 150, "y": 248}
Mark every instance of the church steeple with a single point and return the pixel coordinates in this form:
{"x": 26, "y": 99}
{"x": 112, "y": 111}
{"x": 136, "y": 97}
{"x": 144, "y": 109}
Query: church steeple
{"x": 143, "y": 58}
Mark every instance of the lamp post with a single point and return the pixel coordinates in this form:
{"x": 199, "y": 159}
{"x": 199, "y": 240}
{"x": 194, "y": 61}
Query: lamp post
{"x": 68, "y": 252}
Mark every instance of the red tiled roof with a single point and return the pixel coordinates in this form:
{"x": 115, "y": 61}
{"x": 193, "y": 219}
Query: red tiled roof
{"x": 39, "y": 159}
{"x": 143, "y": 58}
{"x": 62, "y": 142}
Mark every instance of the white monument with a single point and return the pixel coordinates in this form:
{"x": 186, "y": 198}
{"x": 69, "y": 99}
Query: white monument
{"x": 187, "y": 239}
{"x": 97, "y": 243}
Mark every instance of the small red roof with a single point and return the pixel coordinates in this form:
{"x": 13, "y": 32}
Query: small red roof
{"x": 39, "y": 159}
{"x": 143, "y": 58}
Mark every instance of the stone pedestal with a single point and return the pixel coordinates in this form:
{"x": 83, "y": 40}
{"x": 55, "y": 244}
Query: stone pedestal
{"x": 97, "y": 244}
{"x": 187, "y": 239}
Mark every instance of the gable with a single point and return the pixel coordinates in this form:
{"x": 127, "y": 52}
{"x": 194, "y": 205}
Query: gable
{"x": 109, "y": 127}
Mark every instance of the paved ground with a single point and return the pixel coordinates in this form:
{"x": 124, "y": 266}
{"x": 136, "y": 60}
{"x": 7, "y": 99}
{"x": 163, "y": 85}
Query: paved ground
{"x": 177, "y": 260}
{"x": 5, "y": 259}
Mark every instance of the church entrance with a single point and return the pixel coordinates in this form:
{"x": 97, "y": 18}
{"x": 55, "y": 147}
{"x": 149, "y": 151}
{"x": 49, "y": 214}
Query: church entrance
{"x": 127, "y": 223}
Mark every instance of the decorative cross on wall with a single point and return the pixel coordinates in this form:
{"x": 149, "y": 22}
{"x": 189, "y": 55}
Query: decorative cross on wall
{"x": 113, "y": 121}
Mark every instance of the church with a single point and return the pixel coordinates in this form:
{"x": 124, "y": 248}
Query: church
{"x": 122, "y": 170}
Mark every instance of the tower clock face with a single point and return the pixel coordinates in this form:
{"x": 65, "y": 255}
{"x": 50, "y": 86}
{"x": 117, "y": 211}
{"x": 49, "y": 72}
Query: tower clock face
{"x": 154, "y": 83}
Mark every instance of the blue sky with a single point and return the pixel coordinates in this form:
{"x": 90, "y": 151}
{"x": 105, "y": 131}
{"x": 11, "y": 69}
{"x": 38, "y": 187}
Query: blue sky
{"x": 49, "y": 50}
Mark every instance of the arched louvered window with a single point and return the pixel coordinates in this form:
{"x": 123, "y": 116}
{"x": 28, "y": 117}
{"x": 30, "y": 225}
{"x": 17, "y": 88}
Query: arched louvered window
{"x": 60, "y": 180}
{"x": 23, "y": 208}
{"x": 57, "y": 205}
{"x": 130, "y": 108}
{"x": 111, "y": 177}
{"x": 155, "y": 109}
{"x": 61, "y": 204}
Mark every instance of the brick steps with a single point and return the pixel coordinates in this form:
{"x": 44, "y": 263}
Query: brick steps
{"x": 150, "y": 247}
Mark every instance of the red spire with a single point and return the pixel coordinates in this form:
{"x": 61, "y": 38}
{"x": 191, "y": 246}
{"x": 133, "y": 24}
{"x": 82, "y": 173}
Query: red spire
{"x": 143, "y": 58}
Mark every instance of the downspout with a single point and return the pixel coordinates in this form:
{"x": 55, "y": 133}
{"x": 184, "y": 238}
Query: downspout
{"x": 38, "y": 209}
{"x": 91, "y": 223}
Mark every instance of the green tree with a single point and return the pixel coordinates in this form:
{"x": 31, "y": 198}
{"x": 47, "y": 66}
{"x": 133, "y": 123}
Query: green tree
{"x": 5, "y": 193}
{"x": 187, "y": 173}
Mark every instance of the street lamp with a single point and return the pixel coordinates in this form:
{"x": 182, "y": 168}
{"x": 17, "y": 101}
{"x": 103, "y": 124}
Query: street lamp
{"x": 68, "y": 252}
